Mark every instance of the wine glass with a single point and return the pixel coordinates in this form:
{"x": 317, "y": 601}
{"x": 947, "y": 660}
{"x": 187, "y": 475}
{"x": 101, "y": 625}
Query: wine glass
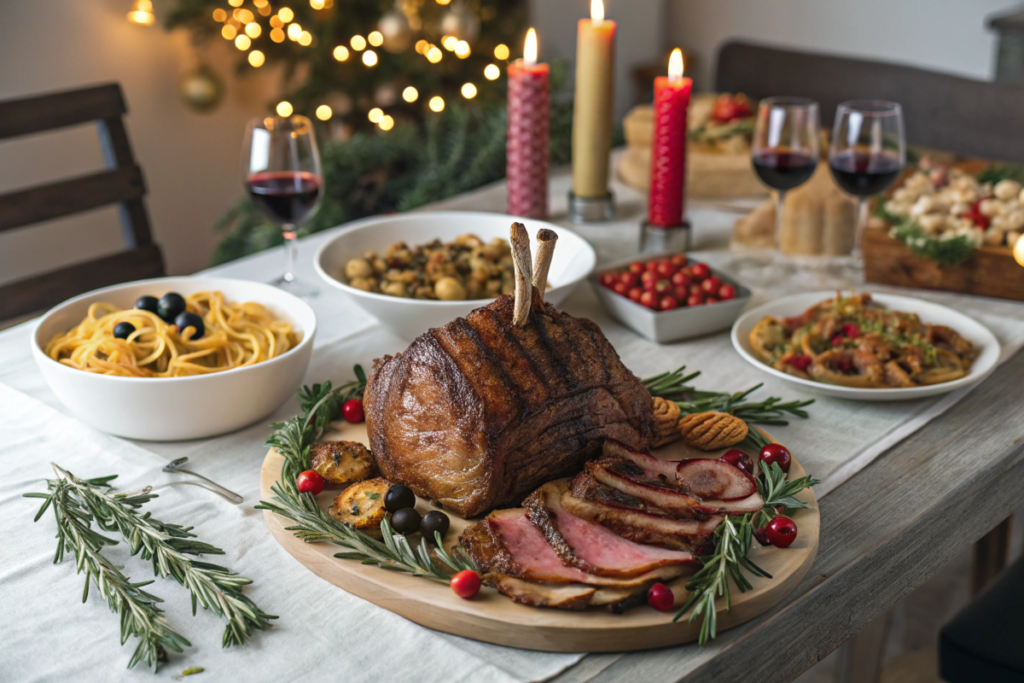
{"x": 785, "y": 146}
{"x": 281, "y": 170}
{"x": 867, "y": 152}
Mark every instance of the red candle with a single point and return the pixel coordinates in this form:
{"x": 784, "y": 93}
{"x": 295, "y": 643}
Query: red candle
{"x": 668, "y": 155}
{"x": 527, "y": 147}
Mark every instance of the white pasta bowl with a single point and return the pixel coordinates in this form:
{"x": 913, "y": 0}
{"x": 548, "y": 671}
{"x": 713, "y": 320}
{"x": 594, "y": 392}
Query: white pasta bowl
{"x": 573, "y": 260}
{"x": 177, "y": 408}
{"x": 989, "y": 349}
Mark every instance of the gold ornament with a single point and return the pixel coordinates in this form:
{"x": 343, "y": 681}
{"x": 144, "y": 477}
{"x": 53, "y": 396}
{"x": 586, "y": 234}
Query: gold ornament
{"x": 201, "y": 89}
{"x": 394, "y": 26}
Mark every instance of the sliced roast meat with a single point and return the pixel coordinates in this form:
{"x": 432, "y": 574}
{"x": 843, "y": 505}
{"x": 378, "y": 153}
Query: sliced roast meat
{"x": 625, "y": 476}
{"x": 587, "y": 545}
{"x": 634, "y": 519}
{"x": 653, "y": 467}
{"x": 506, "y": 542}
{"x": 734, "y": 508}
{"x": 571, "y": 596}
{"x": 714, "y": 479}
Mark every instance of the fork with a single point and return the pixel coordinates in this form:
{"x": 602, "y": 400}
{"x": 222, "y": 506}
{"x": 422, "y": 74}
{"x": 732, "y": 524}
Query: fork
{"x": 175, "y": 466}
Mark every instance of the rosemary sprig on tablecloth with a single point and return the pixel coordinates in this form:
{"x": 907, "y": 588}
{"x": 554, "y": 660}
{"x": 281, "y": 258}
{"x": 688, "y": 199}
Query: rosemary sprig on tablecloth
{"x": 140, "y": 616}
{"x": 216, "y": 588}
{"x": 319, "y": 405}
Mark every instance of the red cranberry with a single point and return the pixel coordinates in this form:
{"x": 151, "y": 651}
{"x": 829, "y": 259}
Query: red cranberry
{"x": 679, "y": 260}
{"x": 781, "y": 532}
{"x": 775, "y": 452}
{"x": 649, "y": 299}
{"x": 636, "y": 267}
{"x": 660, "y": 597}
{"x": 700, "y": 271}
{"x": 726, "y": 292}
{"x": 352, "y": 410}
{"x": 762, "y": 535}
{"x": 466, "y": 583}
{"x": 310, "y": 481}
{"x": 712, "y": 284}
{"x": 635, "y": 294}
{"x": 738, "y": 458}
{"x": 667, "y": 303}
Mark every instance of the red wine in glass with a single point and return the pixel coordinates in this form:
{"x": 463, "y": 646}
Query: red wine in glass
{"x": 782, "y": 170}
{"x": 285, "y": 197}
{"x": 864, "y": 174}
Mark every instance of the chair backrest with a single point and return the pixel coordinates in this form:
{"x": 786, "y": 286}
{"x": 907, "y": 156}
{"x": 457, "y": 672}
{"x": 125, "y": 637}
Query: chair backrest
{"x": 121, "y": 183}
{"x": 974, "y": 118}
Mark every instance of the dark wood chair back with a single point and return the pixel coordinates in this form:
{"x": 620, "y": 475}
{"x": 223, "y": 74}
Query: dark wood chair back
{"x": 974, "y": 118}
{"x": 121, "y": 183}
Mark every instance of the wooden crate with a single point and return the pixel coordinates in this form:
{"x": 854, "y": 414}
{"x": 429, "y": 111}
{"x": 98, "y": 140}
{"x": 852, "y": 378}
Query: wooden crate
{"x": 991, "y": 271}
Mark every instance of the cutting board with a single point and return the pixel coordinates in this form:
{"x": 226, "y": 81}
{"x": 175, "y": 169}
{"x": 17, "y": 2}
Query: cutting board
{"x": 494, "y": 618}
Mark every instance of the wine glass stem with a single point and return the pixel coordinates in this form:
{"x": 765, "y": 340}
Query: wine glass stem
{"x": 289, "y": 253}
{"x": 780, "y": 200}
{"x": 862, "y": 222}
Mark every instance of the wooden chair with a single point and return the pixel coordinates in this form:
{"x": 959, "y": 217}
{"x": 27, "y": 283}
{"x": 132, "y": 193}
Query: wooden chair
{"x": 962, "y": 115}
{"x": 121, "y": 183}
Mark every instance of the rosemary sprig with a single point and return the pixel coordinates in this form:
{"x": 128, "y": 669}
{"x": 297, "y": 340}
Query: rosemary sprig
{"x": 292, "y": 439}
{"x": 140, "y": 616}
{"x": 216, "y": 588}
{"x": 732, "y": 541}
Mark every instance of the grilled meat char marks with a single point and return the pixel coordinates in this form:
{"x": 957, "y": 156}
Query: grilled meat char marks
{"x": 478, "y": 413}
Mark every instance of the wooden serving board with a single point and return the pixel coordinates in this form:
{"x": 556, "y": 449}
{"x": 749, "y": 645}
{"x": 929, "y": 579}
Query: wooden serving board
{"x": 494, "y": 618}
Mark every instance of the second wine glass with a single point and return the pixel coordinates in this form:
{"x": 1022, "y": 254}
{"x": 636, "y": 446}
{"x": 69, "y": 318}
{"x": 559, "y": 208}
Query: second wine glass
{"x": 281, "y": 170}
{"x": 785, "y": 147}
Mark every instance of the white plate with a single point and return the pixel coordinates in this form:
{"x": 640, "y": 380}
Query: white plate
{"x": 969, "y": 328}
{"x": 177, "y": 408}
{"x": 574, "y": 259}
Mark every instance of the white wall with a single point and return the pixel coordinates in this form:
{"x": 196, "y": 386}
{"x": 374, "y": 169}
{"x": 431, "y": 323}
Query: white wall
{"x": 190, "y": 161}
{"x": 943, "y": 35}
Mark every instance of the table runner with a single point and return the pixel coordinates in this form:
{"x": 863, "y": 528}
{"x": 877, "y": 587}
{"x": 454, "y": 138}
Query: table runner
{"x": 322, "y": 628}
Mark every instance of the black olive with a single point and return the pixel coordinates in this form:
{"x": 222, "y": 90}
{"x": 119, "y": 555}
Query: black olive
{"x": 187, "y": 319}
{"x": 148, "y": 303}
{"x": 170, "y": 306}
{"x": 434, "y": 521}
{"x": 398, "y": 498}
{"x": 122, "y": 330}
{"x": 406, "y": 521}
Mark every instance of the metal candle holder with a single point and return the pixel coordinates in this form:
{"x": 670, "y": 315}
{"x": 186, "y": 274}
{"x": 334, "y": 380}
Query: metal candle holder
{"x": 655, "y": 239}
{"x": 591, "y": 209}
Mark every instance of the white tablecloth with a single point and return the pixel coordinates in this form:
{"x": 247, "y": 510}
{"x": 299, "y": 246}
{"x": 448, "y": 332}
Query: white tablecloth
{"x": 324, "y": 633}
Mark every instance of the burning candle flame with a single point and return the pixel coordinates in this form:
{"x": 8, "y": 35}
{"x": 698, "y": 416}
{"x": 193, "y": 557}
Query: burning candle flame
{"x": 675, "y": 65}
{"x": 597, "y": 12}
{"x": 530, "y": 49}
{"x": 1018, "y": 251}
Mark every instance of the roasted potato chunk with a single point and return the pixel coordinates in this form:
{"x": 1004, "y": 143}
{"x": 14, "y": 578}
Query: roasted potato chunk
{"x": 342, "y": 463}
{"x": 362, "y": 504}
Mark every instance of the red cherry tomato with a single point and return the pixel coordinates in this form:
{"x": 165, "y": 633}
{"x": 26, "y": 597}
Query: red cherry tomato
{"x": 310, "y": 481}
{"x": 607, "y": 279}
{"x": 724, "y": 109}
{"x": 781, "y": 532}
{"x": 621, "y": 288}
{"x": 651, "y": 266}
{"x": 712, "y": 284}
{"x": 649, "y": 299}
{"x": 667, "y": 303}
{"x": 694, "y": 300}
{"x": 466, "y": 584}
{"x": 699, "y": 271}
{"x": 738, "y": 458}
{"x": 695, "y": 290}
{"x": 679, "y": 260}
{"x": 634, "y": 294}
{"x": 681, "y": 279}
{"x": 636, "y": 267}
{"x": 666, "y": 269}
{"x": 631, "y": 279}
{"x": 660, "y": 597}
{"x": 681, "y": 294}
{"x": 648, "y": 278}
{"x": 352, "y": 411}
{"x": 662, "y": 287}
{"x": 712, "y": 300}
{"x": 775, "y": 452}
{"x": 726, "y": 292}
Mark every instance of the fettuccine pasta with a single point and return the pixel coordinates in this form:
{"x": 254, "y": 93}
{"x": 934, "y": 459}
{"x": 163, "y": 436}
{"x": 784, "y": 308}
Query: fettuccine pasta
{"x": 236, "y": 335}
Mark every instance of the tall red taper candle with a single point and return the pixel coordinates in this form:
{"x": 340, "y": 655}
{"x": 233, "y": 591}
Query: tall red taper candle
{"x": 526, "y": 167}
{"x": 668, "y": 156}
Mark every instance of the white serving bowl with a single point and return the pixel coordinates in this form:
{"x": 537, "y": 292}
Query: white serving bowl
{"x": 573, "y": 260}
{"x": 685, "y": 322}
{"x": 177, "y": 408}
{"x": 988, "y": 346}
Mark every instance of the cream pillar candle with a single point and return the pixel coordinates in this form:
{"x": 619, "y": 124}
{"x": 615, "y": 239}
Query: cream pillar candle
{"x": 592, "y": 113}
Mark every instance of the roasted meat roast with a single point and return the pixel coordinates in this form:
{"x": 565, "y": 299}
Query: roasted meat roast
{"x": 480, "y": 412}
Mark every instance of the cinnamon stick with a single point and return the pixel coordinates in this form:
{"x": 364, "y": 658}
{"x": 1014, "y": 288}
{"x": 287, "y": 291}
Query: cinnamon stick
{"x": 545, "y": 252}
{"x": 520, "y": 241}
